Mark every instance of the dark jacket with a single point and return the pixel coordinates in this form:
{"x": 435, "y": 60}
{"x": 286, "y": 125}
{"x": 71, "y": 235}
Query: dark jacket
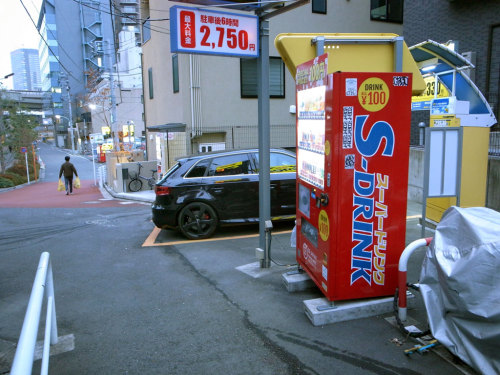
{"x": 68, "y": 169}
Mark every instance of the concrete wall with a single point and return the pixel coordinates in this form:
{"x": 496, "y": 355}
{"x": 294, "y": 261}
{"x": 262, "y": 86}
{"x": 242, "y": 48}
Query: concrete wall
{"x": 416, "y": 179}
{"x": 120, "y": 185}
{"x": 416, "y": 174}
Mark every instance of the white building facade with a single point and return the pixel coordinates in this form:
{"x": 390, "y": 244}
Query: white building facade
{"x": 127, "y": 83}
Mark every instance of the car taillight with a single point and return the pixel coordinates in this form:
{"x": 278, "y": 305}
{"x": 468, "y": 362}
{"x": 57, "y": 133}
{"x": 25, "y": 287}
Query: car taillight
{"x": 162, "y": 190}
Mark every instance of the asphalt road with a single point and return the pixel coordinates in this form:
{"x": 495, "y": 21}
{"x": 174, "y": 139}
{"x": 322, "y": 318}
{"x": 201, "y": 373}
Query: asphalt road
{"x": 182, "y": 309}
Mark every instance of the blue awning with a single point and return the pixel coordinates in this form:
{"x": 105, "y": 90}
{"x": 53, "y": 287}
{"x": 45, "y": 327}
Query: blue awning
{"x": 437, "y": 59}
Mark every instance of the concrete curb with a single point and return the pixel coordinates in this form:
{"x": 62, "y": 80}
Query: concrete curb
{"x": 136, "y": 197}
{"x": 4, "y": 190}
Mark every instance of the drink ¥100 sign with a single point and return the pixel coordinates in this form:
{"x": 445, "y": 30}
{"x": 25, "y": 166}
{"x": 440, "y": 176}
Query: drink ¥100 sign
{"x": 205, "y": 31}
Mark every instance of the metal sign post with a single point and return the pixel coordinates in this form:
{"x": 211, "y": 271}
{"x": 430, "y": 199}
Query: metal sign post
{"x": 264, "y": 122}
{"x": 192, "y": 31}
{"x": 24, "y": 150}
{"x": 264, "y": 141}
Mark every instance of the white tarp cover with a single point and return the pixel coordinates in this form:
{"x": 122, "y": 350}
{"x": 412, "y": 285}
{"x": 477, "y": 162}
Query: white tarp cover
{"x": 460, "y": 284}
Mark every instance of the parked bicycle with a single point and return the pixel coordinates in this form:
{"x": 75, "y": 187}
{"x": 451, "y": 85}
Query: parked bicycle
{"x": 135, "y": 183}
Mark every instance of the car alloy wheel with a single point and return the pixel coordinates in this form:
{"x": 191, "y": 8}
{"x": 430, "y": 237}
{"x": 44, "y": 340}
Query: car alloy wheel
{"x": 197, "y": 220}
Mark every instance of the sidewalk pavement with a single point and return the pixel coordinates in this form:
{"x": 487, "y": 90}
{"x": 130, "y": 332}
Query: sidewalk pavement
{"x": 146, "y": 196}
{"x": 187, "y": 308}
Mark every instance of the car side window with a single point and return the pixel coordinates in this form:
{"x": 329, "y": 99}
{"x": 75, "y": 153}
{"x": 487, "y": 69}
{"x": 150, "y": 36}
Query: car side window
{"x": 230, "y": 165}
{"x": 200, "y": 169}
{"x": 279, "y": 163}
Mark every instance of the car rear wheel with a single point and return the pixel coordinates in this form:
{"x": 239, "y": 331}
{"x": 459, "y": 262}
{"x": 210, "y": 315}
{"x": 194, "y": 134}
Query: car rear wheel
{"x": 197, "y": 220}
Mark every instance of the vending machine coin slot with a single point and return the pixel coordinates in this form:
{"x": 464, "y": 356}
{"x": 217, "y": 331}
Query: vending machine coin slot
{"x": 324, "y": 199}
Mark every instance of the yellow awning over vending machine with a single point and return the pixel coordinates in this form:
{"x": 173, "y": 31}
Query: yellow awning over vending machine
{"x": 365, "y": 52}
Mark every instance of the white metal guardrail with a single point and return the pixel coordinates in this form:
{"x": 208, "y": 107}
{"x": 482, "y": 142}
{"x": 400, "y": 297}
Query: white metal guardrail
{"x": 43, "y": 284}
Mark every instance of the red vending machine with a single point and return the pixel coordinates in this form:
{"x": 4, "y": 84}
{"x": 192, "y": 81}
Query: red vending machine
{"x": 353, "y": 133}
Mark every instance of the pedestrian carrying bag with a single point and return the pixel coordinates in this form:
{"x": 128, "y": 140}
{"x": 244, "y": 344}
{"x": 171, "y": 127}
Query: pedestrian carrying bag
{"x": 60, "y": 186}
{"x": 77, "y": 183}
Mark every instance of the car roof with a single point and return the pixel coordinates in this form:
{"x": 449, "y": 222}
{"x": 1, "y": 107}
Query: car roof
{"x": 228, "y": 152}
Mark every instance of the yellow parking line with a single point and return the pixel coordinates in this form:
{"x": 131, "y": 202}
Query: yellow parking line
{"x": 150, "y": 241}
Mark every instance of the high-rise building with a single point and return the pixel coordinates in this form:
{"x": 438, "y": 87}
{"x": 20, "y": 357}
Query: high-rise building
{"x": 77, "y": 41}
{"x": 26, "y": 69}
{"x": 75, "y": 35}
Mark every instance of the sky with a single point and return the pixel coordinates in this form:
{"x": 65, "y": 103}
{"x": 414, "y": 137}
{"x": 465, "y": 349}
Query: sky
{"x": 16, "y": 31}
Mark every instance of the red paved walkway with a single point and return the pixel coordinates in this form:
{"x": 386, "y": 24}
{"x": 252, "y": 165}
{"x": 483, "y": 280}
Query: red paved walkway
{"x": 45, "y": 195}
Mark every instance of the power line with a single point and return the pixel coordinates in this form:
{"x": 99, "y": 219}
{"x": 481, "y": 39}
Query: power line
{"x": 228, "y": 5}
{"x": 135, "y": 19}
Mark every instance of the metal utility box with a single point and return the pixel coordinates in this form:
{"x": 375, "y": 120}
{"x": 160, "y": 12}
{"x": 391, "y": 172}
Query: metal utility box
{"x": 353, "y": 133}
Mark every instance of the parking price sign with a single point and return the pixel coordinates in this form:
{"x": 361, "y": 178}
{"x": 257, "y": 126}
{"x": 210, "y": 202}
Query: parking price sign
{"x": 215, "y": 33}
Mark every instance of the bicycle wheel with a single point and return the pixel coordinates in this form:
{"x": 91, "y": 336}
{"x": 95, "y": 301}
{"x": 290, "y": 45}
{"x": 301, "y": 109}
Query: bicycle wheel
{"x": 152, "y": 181}
{"x": 135, "y": 185}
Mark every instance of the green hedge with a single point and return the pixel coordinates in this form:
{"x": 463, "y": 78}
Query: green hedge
{"x": 15, "y": 178}
{"x": 16, "y": 175}
{"x": 20, "y": 169}
{"x": 5, "y": 182}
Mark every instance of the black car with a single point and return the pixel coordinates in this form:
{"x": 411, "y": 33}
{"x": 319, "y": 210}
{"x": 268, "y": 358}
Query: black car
{"x": 222, "y": 188}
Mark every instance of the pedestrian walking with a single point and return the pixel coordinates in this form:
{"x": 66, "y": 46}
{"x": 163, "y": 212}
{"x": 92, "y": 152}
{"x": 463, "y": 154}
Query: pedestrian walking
{"x": 68, "y": 169}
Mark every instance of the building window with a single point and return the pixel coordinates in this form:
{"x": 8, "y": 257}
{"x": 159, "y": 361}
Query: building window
{"x": 150, "y": 81}
{"x": 387, "y": 10}
{"x": 319, "y": 6}
{"x": 146, "y": 31}
{"x": 175, "y": 72}
{"x": 249, "y": 78}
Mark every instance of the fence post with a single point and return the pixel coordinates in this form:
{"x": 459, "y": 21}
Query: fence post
{"x": 43, "y": 284}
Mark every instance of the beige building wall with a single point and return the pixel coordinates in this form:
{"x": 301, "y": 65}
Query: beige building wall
{"x": 221, "y": 107}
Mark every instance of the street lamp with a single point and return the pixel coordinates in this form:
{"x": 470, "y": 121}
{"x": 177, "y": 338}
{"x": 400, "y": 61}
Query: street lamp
{"x": 71, "y": 129}
{"x": 7, "y": 76}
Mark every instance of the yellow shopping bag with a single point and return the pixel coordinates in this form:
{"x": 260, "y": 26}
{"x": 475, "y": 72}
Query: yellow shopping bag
{"x": 77, "y": 183}
{"x": 60, "y": 186}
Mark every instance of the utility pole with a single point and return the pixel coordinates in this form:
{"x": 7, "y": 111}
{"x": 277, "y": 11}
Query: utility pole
{"x": 64, "y": 79}
{"x": 70, "y": 119}
{"x": 108, "y": 48}
{"x": 3, "y": 137}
